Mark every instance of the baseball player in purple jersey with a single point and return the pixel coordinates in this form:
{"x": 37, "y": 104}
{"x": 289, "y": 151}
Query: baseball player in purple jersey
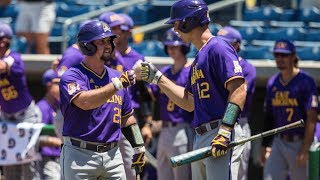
{"x": 176, "y": 134}
{"x": 234, "y": 37}
{"x": 71, "y": 56}
{"x": 50, "y": 145}
{"x": 97, "y": 108}
{"x": 291, "y": 96}
{"x": 141, "y": 100}
{"x": 317, "y": 132}
{"x": 17, "y": 105}
{"x": 215, "y": 91}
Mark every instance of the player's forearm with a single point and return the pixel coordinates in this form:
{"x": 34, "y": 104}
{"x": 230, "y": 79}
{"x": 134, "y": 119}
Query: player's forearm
{"x": 94, "y": 98}
{"x": 309, "y": 129}
{"x": 176, "y": 93}
{"x": 237, "y": 92}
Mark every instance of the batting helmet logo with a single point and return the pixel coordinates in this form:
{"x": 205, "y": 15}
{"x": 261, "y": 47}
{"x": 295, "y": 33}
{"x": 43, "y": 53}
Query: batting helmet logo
{"x": 171, "y": 38}
{"x": 190, "y": 13}
{"x": 91, "y": 31}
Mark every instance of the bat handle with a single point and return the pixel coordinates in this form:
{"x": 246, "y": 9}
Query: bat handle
{"x": 190, "y": 156}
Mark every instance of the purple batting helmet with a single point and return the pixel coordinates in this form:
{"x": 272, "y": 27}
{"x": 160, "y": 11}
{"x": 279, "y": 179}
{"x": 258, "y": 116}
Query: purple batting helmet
{"x": 5, "y": 31}
{"x": 190, "y": 13}
{"x": 230, "y": 34}
{"x": 91, "y": 31}
{"x": 128, "y": 22}
{"x": 111, "y": 18}
{"x": 171, "y": 38}
{"x": 50, "y": 76}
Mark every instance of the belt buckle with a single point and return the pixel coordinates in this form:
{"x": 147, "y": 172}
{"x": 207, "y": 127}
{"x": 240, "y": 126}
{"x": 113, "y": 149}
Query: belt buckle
{"x": 100, "y": 148}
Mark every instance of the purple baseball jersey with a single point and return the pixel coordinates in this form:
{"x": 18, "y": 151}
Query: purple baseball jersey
{"x": 48, "y": 114}
{"x": 249, "y": 73}
{"x": 317, "y": 132}
{"x": 71, "y": 56}
{"x": 116, "y": 63}
{"x": 214, "y": 66}
{"x": 130, "y": 58}
{"x": 168, "y": 110}
{"x": 15, "y": 95}
{"x": 101, "y": 124}
{"x": 289, "y": 103}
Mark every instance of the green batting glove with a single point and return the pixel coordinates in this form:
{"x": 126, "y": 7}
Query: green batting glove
{"x": 150, "y": 73}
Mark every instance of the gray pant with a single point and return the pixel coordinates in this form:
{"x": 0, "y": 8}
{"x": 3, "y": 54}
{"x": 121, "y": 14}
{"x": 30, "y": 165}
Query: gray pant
{"x": 173, "y": 141}
{"x": 221, "y": 167}
{"x": 245, "y": 156}
{"x": 30, "y": 170}
{"x": 282, "y": 160}
{"x": 78, "y": 163}
{"x": 127, "y": 153}
{"x": 50, "y": 168}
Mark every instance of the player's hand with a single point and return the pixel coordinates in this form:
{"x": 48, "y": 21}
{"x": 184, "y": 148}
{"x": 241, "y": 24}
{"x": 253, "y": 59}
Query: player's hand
{"x": 128, "y": 78}
{"x": 302, "y": 157}
{"x": 219, "y": 144}
{"x": 146, "y": 132}
{"x": 138, "y": 159}
{"x": 264, "y": 155}
{"x": 150, "y": 73}
{"x": 137, "y": 69}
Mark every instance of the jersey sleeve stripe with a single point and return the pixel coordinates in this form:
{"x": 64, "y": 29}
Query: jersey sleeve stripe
{"x": 232, "y": 78}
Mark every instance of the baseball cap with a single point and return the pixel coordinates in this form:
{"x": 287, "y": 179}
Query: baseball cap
{"x": 111, "y": 18}
{"x": 127, "y": 22}
{"x": 5, "y": 31}
{"x": 50, "y": 76}
{"x": 284, "y": 46}
{"x": 230, "y": 34}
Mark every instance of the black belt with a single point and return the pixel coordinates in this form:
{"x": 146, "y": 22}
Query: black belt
{"x": 203, "y": 128}
{"x": 169, "y": 124}
{"x": 291, "y": 138}
{"x": 100, "y": 148}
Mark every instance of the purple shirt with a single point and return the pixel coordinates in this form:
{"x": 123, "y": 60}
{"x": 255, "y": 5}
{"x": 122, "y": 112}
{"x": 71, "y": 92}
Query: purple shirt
{"x": 15, "y": 95}
{"x": 289, "y": 103}
{"x": 116, "y": 63}
{"x": 168, "y": 110}
{"x": 48, "y": 115}
{"x": 71, "y": 56}
{"x": 101, "y": 124}
{"x": 130, "y": 58}
{"x": 317, "y": 132}
{"x": 216, "y": 64}
{"x": 249, "y": 73}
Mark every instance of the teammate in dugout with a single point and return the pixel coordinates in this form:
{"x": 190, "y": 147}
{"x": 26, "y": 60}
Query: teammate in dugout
{"x": 291, "y": 96}
{"x": 234, "y": 37}
{"x": 96, "y": 108}
{"x": 121, "y": 27}
{"x": 17, "y": 104}
{"x": 50, "y": 145}
{"x": 176, "y": 134}
{"x": 215, "y": 91}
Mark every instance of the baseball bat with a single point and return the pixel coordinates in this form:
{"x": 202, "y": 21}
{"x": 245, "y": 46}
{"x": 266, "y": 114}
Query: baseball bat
{"x": 202, "y": 153}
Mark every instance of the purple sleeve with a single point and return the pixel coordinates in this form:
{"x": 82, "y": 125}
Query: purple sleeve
{"x": 311, "y": 95}
{"x": 15, "y": 63}
{"x": 126, "y": 107}
{"x": 226, "y": 63}
{"x": 72, "y": 82}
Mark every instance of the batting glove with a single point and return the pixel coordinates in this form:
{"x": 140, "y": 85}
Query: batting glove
{"x": 126, "y": 79}
{"x": 219, "y": 144}
{"x": 150, "y": 73}
{"x": 138, "y": 160}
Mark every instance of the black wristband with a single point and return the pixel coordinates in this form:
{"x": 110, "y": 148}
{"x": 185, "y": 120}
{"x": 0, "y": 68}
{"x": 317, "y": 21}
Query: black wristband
{"x": 231, "y": 114}
{"x": 133, "y": 135}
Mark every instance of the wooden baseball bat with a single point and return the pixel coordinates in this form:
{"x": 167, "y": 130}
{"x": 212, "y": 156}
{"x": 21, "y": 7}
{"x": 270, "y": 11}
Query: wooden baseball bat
{"x": 202, "y": 153}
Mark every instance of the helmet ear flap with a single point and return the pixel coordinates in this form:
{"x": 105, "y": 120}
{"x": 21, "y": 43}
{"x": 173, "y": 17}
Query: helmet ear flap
{"x": 87, "y": 48}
